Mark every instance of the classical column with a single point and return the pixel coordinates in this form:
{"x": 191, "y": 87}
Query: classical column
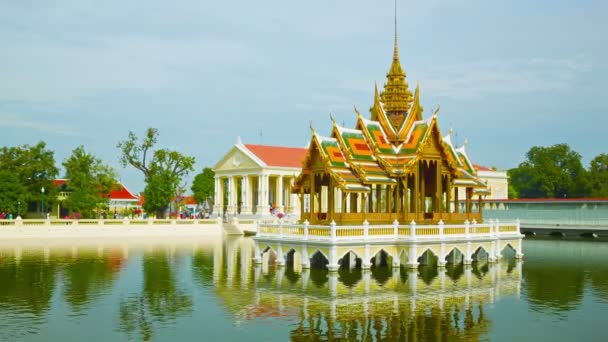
{"x": 217, "y": 198}
{"x": 265, "y": 195}
{"x": 231, "y": 207}
{"x": 279, "y": 194}
{"x": 245, "y": 196}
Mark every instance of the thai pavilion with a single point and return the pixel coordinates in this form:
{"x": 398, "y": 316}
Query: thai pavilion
{"x": 394, "y": 165}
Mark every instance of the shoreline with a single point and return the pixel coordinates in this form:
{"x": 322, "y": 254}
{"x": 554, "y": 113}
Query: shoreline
{"x": 71, "y": 232}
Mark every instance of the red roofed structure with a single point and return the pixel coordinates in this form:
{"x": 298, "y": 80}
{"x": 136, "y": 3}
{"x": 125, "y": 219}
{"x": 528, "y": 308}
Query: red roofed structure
{"x": 257, "y": 180}
{"x": 119, "y": 198}
{"x": 280, "y": 156}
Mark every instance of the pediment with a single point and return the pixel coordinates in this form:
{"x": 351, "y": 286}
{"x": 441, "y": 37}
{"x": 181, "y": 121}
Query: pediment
{"x": 236, "y": 159}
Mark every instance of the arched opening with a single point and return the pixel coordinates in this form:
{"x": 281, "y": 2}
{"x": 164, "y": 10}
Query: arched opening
{"x": 292, "y": 258}
{"x": 428, "y": 266}
{"x": 350, "y": 261}
{"x": 480, "y": 255}
{"x": 269, "y": 256}
{"x": 349, "y": 272}
{"x": 455, "y": 257}
{"x": 381, "y": 259}
{"x": 380, "y": 266}
{"x": 508, "y": 251}
{"x": 292, "y": 265}
{"x": 319, "y": 260}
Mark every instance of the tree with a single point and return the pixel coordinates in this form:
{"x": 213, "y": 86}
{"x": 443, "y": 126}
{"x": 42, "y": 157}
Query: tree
{"x": 89, "y": 181}
{"x": 554, "y": 171}
{"x": 203, "y": 186}
{"x": 598, "y": 176}
{"x": 163, "y": 172}
{"x": 32, "y": 168}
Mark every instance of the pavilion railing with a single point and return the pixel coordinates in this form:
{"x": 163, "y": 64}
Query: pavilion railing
{"x": 365, "y": 231}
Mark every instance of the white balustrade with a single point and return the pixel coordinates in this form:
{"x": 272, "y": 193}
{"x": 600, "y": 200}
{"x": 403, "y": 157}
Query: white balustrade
{"x": 394, "y": 231}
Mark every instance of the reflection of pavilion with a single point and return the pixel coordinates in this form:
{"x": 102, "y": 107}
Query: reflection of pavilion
{"x": 381, "y": 300}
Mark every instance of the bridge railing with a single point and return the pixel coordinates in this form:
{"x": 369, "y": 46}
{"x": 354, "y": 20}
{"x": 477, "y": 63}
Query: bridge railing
{"x": 365, "y": 231}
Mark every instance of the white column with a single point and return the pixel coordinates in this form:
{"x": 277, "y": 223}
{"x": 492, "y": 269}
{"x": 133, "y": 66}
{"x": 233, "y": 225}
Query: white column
{"x": 230, "y": 208}
{"x": 264, "y": 208}
{"x": 279, "y": 194}
{"x": 217, "y": 199}
{"x": 245, "y": 196}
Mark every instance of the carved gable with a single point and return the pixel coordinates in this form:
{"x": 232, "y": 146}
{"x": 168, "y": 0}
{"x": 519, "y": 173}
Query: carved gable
{"x": 236, "y": 160}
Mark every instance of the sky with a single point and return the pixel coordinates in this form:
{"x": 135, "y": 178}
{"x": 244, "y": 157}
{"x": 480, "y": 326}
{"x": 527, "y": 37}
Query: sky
{"x": 507, "y": 75}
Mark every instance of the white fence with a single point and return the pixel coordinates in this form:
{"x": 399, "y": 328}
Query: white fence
{"x": 412, "y": 231}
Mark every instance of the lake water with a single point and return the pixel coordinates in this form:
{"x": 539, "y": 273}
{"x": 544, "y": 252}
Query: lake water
{"x": 210, "y": 290}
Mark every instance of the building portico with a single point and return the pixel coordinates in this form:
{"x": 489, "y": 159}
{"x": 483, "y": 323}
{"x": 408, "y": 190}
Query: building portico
{"x": 252, "y": 180}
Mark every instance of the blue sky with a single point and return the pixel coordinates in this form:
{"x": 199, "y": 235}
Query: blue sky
{"x": 508, "y": 74}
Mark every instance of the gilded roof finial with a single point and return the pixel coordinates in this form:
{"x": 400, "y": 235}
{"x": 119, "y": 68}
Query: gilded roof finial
{"x": 357, "y": 111}
{"x": 331, "y": 116}
{"x": 466, "y": 142}
{"x": 396, "y": 50}
{"x": 397, "y": 97}
{"x": 311, "y": 128}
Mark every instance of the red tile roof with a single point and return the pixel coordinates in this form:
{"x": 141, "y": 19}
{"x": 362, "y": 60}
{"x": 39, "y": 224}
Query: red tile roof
{"x": 59, "y": 182}
{"x": 482, "y": 168}
{"x": 121, "y": 194}
{"x": 279, "y": 155}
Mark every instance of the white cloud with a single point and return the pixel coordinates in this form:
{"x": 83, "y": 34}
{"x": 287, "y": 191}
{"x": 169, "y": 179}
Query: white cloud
{"x": 517, "y": 75}
{"x": 43, "y": 125}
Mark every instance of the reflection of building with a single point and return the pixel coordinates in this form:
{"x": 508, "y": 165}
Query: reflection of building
{"x": 252, "y": 179}
{"x": 364, "y": 303}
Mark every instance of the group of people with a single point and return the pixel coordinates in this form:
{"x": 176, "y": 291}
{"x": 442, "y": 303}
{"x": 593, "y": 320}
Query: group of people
{"x": 6, "y": 216}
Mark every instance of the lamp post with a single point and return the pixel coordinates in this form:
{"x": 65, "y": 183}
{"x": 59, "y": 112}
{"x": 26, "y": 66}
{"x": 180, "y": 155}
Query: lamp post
{"x": 18, "y": 208}
{"x": 42, "y": 202}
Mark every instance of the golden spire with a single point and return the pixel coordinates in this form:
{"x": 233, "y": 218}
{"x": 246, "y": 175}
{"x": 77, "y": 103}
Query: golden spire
{"x": 396, "y": 48}
{"x": 397, "y": 97}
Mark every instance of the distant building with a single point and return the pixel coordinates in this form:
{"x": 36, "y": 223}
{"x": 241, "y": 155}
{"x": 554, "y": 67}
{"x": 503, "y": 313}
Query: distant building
{"x": 257, "y": 180}
{"x": 497, "y": 182}
{"x": 119, "y": 198}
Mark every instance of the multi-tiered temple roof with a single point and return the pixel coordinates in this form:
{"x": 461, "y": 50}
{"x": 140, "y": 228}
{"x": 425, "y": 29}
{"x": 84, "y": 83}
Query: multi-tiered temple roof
{"x": 396, "y": 159}
{"x": 390, "y": 142}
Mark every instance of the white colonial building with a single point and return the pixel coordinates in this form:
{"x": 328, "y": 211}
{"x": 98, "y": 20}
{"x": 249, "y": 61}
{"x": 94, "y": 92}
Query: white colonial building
{"x": 497, "y": 181}
{"x": 256, "y": 180}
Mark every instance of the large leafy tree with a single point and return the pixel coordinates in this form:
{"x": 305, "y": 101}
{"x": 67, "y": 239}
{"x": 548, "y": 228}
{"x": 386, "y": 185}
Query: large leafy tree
{"x": 163, "y": 169}
{"x": 28, "y": 169}
{"x": 89, "y": 181}
{"x": 203, "y": 186}
{"x": 554, "y": 171}
{"x": 598, "y": 176}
